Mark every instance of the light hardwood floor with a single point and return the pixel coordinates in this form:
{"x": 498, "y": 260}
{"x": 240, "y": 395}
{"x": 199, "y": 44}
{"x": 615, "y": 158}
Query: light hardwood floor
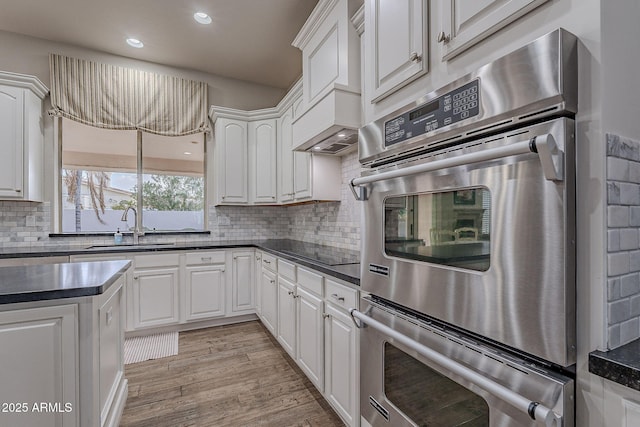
{"x": 236, "y": 375}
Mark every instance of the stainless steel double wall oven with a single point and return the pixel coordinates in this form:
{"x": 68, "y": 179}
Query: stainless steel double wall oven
{"x": 468, "y": 252}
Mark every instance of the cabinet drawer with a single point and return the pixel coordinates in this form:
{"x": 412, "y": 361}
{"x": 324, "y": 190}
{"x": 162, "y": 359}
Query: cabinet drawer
{"x": 310, "y": 281}
{"x": 287, "y": 270}
{"x": 159, "y": 260}
{"x": 201, "y": 258}
{"x": 341, "y": 295}
{"x": 269, "y": 262}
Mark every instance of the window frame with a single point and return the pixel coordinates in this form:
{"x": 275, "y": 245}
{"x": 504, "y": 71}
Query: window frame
{"x": 58, "y": 205}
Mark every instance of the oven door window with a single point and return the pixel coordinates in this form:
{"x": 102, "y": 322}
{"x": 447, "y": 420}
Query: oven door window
{"x": 449, "y": 228}
{"x": 428, "y": 398}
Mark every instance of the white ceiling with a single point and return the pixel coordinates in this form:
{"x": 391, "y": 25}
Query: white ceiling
{"x": 247, "y": 40}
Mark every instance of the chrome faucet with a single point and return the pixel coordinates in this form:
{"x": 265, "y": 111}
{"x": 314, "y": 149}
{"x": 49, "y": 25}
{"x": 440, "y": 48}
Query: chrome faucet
{"x": 136, "y": 231}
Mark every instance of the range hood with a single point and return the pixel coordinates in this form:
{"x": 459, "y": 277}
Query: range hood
{"x": 331, "y": 125}
{"x": 330, "y": 112}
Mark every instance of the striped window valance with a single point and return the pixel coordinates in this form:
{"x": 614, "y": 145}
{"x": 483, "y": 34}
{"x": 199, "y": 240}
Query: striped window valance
{"x": 112, "y": 97}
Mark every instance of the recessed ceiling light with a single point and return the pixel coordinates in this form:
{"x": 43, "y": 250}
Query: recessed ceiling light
{"x": 202, "y": 18}
{"x": 188, "y": 153}
{"x": 317, "y": 148}
{"x": 135, "y": 43}
{"x": 342, "y": 135}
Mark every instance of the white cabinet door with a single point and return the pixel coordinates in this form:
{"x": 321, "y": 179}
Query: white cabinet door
{"x": 242, "y": 294}
{"x": 111, "y": 349}
{"x": 38, "y": 359}
{"x": 396, "y": 44}
{"x": 257, "y": 284}
{"x": 231, "y": 147}
{"x": 204, "y": 292}
{"x": 11, "y": 141}
{"x": 155, "y": 297}
{"x": 287, "y": 315}
{"x": 466, "y": 22}
{"x": 269, "y": 300}
{"x": 341, "y": 365}
{"x": 285, "y": 156}
{"x": 302, "y": 187}
{"x": 263, "y": 146}
{"x": 310, "y": 337}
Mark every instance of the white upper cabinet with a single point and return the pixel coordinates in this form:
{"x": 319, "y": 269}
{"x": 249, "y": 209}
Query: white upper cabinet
{"x": 466, "y": 22}
{"x": 231, "y": 165}
{"x": 396, "y": 44}
{"x": 263, "y": 154}
{"x": 21, "y": 137}
{"x": 285, "y": 156}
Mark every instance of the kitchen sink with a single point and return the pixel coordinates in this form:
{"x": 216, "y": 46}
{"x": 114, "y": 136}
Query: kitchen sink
{"x": 138, "y": 246}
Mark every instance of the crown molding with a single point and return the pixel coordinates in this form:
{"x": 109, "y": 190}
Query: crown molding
{"x": 24, "y": 81}
{"x": 216, "y": 111}
{"x": 310, "y": 27}
{"x": 358, "y": 20}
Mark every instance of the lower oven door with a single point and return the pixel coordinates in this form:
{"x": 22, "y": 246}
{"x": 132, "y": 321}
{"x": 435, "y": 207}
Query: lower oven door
{"x": 422, "y": 374}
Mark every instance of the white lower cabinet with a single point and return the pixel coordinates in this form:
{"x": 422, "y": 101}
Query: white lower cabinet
{"x": 258, "y": 276}
{"x": 342, "y": 365}
{"x": 313, "y": 325}
{"x": 310, "y": 336}
{"x": 39, "y": 364}
{"x": 204, "y": 285}
{"x": 269, "y": 300}
{"x": 204, "y": 291}
{"x": 286, "y": 331}
{"x": 155, "y": 297}
{"x": 242, "y": 282}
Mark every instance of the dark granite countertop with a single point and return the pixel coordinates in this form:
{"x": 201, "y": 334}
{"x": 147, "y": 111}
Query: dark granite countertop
{"x": 54, "y": 281}
{"x": 339, "y": 263}
{"x": 620, "y": 365}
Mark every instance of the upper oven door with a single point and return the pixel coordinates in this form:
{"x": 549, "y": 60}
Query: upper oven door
{"x": 487, "y": 246}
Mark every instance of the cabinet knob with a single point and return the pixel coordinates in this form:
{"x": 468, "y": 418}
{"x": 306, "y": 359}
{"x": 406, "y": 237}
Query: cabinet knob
{"x": 326, "y": 315}
{"x": 443, "y": 38}
{"x": 415, "y": 57}
{"x": 272, "y": 281}
{"x": 135, "y": 277}
{"x": 18, "y": 190}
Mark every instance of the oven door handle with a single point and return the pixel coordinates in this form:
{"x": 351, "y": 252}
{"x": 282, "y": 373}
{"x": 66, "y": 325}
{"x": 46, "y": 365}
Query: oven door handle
{"x": 535, "y": 410}
{"x": 551, "y": 159}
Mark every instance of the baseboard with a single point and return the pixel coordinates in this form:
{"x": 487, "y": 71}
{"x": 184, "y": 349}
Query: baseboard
{"x": 193, "y": 325}
{"x": 117, "y": 407}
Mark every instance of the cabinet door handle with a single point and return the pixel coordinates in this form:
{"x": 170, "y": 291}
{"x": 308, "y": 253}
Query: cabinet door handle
{"x": 326, "y": 315}
{"x": 205, "y": 258}
{"x": 290, "y": 292}
{"x": 336, "y": 296}
{"x": 443, "y": 38}
{"x": 18, "y": 190}
{"x": 415, "y": 57}
{"x": 135, "y": 277}
{"x": 257, "y": 258}
{"x": 272, "y": 281}
{"x": 266, "y": 261}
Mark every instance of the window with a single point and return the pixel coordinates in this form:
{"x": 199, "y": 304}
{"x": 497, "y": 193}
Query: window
{"x": 105, "y": 171}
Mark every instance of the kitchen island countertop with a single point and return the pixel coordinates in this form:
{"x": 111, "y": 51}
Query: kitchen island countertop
{"x": 55, "y": 281}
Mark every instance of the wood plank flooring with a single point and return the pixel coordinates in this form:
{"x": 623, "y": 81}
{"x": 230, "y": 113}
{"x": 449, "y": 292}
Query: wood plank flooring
{"x": 235, "y": 375}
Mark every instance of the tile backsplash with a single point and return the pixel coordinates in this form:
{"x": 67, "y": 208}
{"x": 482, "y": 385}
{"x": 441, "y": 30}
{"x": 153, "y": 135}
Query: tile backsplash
{"x": 24, "y": 224}
{"x": 623, "y": 240}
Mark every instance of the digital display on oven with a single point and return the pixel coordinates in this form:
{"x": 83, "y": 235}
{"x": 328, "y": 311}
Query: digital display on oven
{"x": 459, "y": 104}
{"x": 424, "y": 110}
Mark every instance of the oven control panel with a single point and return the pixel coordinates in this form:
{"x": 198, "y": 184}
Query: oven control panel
{"x": 457, "y": 105}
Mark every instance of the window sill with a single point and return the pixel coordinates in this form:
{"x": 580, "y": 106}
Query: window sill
{"x": 146, "y": 234}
